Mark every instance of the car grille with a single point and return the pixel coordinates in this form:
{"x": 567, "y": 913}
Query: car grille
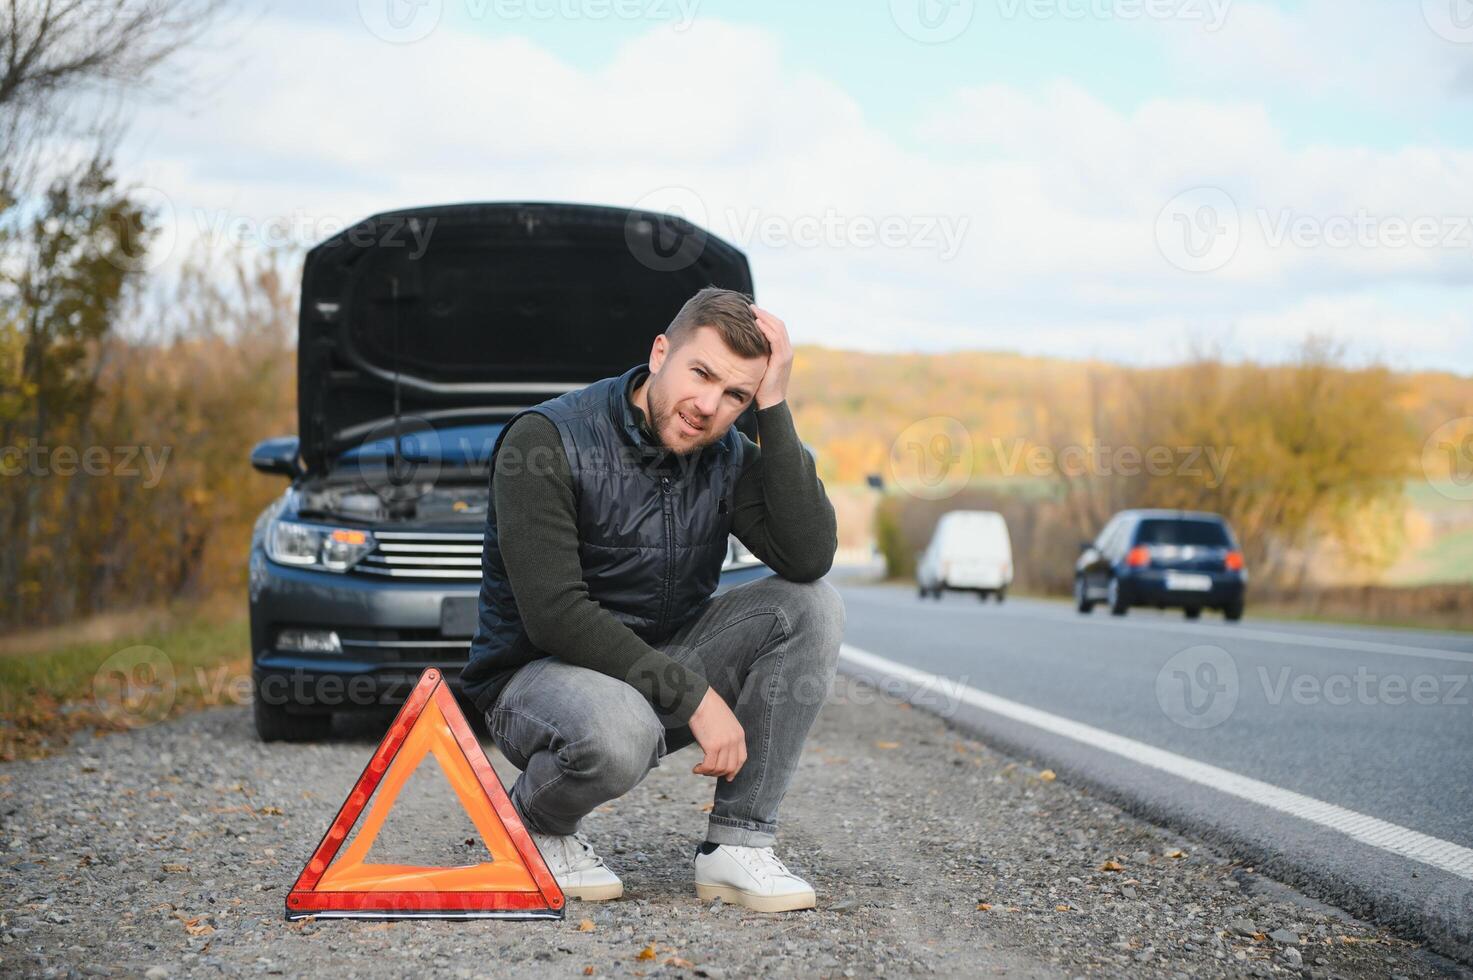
{"x": 427, "y": 555}
{"x": 417, "y": 648}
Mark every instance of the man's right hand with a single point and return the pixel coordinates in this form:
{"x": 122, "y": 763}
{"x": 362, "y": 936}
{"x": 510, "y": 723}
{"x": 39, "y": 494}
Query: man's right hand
{"x": 720, "y": 736}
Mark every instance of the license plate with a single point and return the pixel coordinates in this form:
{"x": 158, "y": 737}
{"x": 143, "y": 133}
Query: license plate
{"x": 458, "y": 616}
{"x": 1181, "y": 582}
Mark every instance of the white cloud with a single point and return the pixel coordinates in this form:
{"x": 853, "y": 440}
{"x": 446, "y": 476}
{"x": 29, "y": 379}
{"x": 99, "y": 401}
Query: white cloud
{"x": 1054, "y": 194}
{"x": 1387, "y": 54}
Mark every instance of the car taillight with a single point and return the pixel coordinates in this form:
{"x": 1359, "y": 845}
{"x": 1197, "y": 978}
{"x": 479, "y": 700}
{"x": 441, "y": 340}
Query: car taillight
{"x": 1234, "y": 561}
{"x": 1138, "y": 557}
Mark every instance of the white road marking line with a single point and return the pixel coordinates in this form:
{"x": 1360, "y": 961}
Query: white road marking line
{"x": 1432, "y": 851}
{"x": 1241, "y": 632}
{"x": 1294, "y": 639}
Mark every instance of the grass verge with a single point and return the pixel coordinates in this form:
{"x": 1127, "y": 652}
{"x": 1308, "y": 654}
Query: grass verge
{"x": 198, "y": 657}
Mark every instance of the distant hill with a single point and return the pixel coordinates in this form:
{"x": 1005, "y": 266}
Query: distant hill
{"x": 853, "y": 407}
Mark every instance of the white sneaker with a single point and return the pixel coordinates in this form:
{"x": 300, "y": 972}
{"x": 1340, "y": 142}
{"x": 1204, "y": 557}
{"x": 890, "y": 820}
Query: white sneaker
{"x": 580, "y": 873}
{"x": 751, "y": 876}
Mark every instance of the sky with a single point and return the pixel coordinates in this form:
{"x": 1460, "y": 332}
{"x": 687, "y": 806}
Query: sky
{"x": 1134, "y": 180}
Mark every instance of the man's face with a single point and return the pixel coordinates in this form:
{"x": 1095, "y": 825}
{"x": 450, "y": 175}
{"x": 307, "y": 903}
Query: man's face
{"x": 702, "y": 383}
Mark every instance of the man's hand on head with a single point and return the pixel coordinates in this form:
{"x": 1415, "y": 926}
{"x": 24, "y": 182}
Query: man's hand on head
{"x": 774, "y": 385}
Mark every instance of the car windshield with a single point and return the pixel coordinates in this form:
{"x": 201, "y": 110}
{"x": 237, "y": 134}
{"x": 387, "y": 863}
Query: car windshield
{"x": 1174, "y": 531}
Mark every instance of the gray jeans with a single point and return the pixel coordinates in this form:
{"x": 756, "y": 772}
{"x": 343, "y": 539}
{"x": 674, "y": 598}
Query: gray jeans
{"x": 581, "y": 738}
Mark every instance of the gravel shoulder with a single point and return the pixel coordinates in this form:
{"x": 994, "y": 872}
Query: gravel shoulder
{"x": 168, "y": 851}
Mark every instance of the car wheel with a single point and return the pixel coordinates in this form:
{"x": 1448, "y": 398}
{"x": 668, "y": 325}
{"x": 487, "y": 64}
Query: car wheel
{"x": 1002, "y": 594}
{"x": 276, "y": 724}
{"x": 920, "y": 591}
{"x": 1081, "y": 602}
{"x": 1192, "y": 612}
{"x": 1233, "y": 612}
{"x": 1116, "y": 601}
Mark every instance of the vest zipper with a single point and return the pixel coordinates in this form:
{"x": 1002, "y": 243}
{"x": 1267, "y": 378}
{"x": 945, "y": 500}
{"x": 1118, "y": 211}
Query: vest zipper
{"x": 665, "y": 492}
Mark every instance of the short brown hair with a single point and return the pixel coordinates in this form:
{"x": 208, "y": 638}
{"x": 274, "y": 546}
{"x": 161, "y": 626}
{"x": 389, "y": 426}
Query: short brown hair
{"x": 730, "y": 313}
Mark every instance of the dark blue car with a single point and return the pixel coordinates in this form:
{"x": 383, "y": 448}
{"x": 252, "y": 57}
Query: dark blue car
{"x": 1179, "y": 559}
{"x": 421, "y": 332}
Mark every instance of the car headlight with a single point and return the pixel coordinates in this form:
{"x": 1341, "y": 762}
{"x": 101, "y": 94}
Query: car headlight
{"x": 334, "y": 549}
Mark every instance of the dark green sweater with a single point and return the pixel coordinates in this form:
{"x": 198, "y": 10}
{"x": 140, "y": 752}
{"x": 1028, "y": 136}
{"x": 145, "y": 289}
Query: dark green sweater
{"x": 780, "y": 511}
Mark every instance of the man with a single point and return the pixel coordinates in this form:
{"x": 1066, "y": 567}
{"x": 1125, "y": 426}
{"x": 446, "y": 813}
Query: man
{"x": 600, "y": 647}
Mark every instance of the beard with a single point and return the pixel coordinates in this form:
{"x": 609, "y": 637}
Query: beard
{"x": 663, "y": 414}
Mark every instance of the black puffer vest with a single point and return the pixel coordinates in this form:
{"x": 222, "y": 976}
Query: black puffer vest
{"x": 652, "y": 528}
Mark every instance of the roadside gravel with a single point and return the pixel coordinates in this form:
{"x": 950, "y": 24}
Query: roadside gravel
{"x": 168, "y": 851}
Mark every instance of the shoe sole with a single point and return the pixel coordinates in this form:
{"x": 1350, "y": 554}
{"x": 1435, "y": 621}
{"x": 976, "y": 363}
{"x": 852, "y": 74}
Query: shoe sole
{"x": 594, "y": 893}
{"x": 758, "y": 903}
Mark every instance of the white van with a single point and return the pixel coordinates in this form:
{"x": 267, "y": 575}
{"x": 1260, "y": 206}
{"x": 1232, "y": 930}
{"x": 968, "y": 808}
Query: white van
{"x": 970, "y": 552}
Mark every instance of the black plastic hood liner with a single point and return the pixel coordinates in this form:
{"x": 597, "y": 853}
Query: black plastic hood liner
{"x": 482, "y": 309}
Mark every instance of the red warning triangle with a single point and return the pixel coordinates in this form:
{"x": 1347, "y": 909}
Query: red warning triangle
{"x": 515, "y": 884}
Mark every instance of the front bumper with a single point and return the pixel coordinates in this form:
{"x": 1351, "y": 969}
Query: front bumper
{"x": 389, "y": 632}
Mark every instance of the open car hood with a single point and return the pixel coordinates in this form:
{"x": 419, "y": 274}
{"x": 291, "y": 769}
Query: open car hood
{"x": 483, "y": 309}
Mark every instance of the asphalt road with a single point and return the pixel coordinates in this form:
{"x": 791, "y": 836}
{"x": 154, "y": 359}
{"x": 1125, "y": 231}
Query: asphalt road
{"x": 1375, "y": 721}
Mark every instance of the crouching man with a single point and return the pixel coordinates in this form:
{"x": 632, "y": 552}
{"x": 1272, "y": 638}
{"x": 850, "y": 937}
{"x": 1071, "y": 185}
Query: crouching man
{"x": 600, "y": 647}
